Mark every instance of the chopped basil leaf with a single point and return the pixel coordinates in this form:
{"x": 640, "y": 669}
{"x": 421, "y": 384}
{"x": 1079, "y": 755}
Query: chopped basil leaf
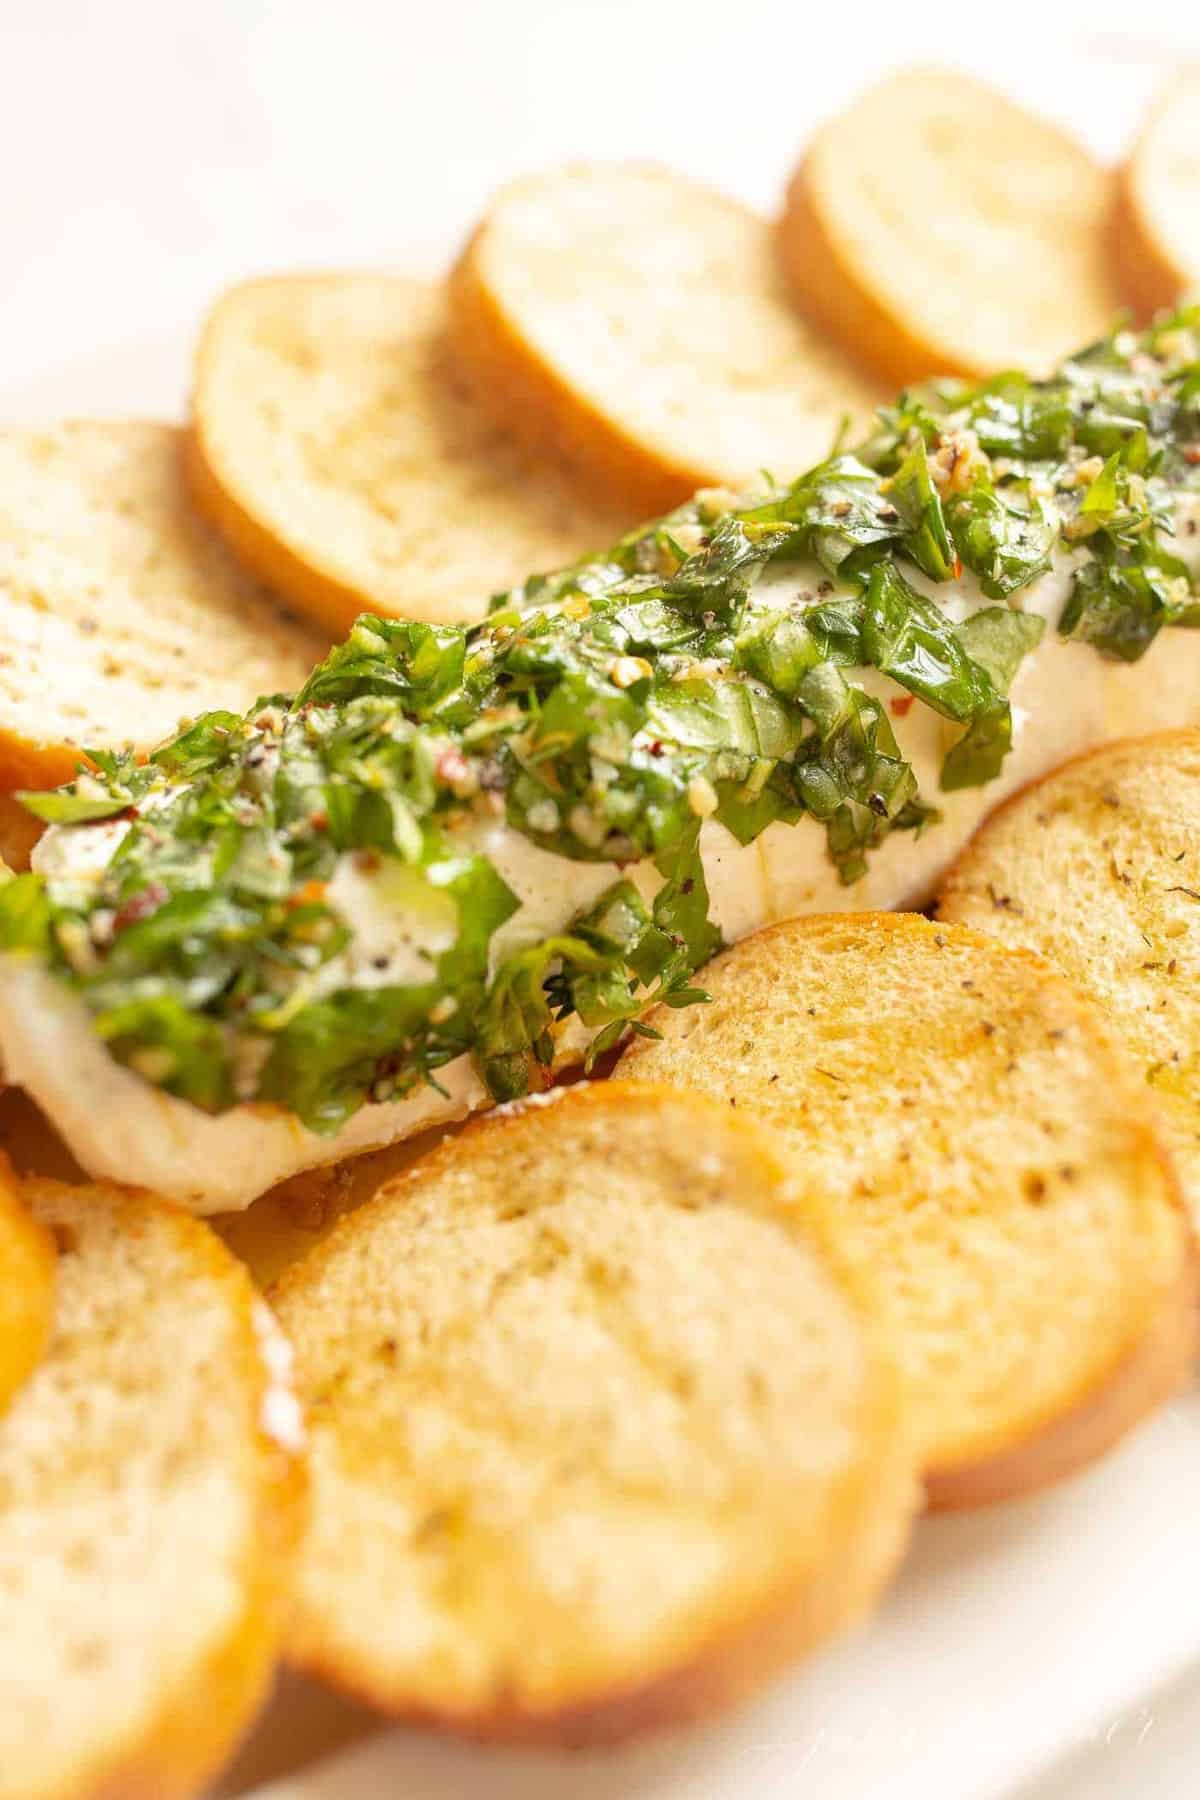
{"x": 997, "y": 640}
{"x": 1120, "y": 600}
{"x": 1005, "y": 543}
{"x": 926, "y": 539}
{"x": 850, "y": 773}
{"x": 115, "y": 781}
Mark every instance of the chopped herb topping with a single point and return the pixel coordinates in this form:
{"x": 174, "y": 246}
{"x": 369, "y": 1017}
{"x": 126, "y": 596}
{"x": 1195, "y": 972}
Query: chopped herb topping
{"x": 707, "y": 668}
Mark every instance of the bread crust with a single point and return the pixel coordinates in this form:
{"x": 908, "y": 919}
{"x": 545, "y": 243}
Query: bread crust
{"x": 976, "y": 872}
{"x": 522, "y": 386}
{"x": 332, "y": 603}
{"x": 1146, "y": 271}
{"x": 839, "y": 302}
{"x": 19, "y": 832}
{"x": 196, "y": 1723}
{"x": 1153, "y": 1369}
{"x": 1178, "y": 737}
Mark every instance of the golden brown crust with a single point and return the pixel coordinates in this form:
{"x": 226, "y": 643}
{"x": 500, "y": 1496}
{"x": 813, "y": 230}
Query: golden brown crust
{"x": 740, "y": 1637}
{"x": 332, "y": 603}
{"x": 25, "y": 763}
{"x": 751, "y": 1652}
{"x": 1148, "y": 277}
{"x": 199, "y": 1721}
{"x": 1107, "y": 839}
{"x": 1155, "y": 1367}
{"x": 19, "y": 832}
{"x": 1182, "y": 737}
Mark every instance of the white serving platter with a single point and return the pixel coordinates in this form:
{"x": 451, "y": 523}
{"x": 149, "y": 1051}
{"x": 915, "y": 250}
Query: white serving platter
{"x": 1049, "y": 1648}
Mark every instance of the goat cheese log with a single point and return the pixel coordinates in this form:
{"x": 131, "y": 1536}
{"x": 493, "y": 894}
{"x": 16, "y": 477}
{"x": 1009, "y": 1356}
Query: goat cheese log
{"x": 461, "y": 854}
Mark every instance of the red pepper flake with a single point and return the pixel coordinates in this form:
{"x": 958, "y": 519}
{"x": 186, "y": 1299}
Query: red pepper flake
{"x": 902, "y": 704}
{"x": 319, "y": 821}
{"x": 1192, "y": 453}
{"x": 958, "y": 568}
{"x": 140, "y": 906}
{"x": 311, "y": 894}
{"x": 453, "y": 767}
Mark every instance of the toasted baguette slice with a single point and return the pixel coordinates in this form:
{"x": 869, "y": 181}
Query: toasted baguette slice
{"x": 599, "y": 1440}
{"x": 638, "y": 321}
{"x": 1097, "y": 867}
{"x": 935, "y": 228}
{"x": 120, "y": 611}
{"x": 965, "y": 1133}
{"x": 337, "y": 445}
{"x": 148, "y": 1509}
{"x": 1156, "y": 207}
{"x": 26, "y": 1286}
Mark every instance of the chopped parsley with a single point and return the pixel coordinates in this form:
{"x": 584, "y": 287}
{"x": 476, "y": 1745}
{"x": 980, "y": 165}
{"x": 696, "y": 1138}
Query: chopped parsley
{"x": 704, "y": 668}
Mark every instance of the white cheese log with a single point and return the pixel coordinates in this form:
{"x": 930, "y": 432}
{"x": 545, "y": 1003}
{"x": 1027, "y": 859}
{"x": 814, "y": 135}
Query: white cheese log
{"x": 1066, "y": 699}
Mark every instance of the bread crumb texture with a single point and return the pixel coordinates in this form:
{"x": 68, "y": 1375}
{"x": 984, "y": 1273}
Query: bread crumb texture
{"x": 1098, "y": 869}
{"x": 121, "y": 612}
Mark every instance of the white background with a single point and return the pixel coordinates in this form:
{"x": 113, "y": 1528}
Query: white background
{"x": 152, "y": 152}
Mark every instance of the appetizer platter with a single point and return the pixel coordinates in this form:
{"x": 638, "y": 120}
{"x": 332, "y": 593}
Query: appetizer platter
{"x": 579, "y": 694}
